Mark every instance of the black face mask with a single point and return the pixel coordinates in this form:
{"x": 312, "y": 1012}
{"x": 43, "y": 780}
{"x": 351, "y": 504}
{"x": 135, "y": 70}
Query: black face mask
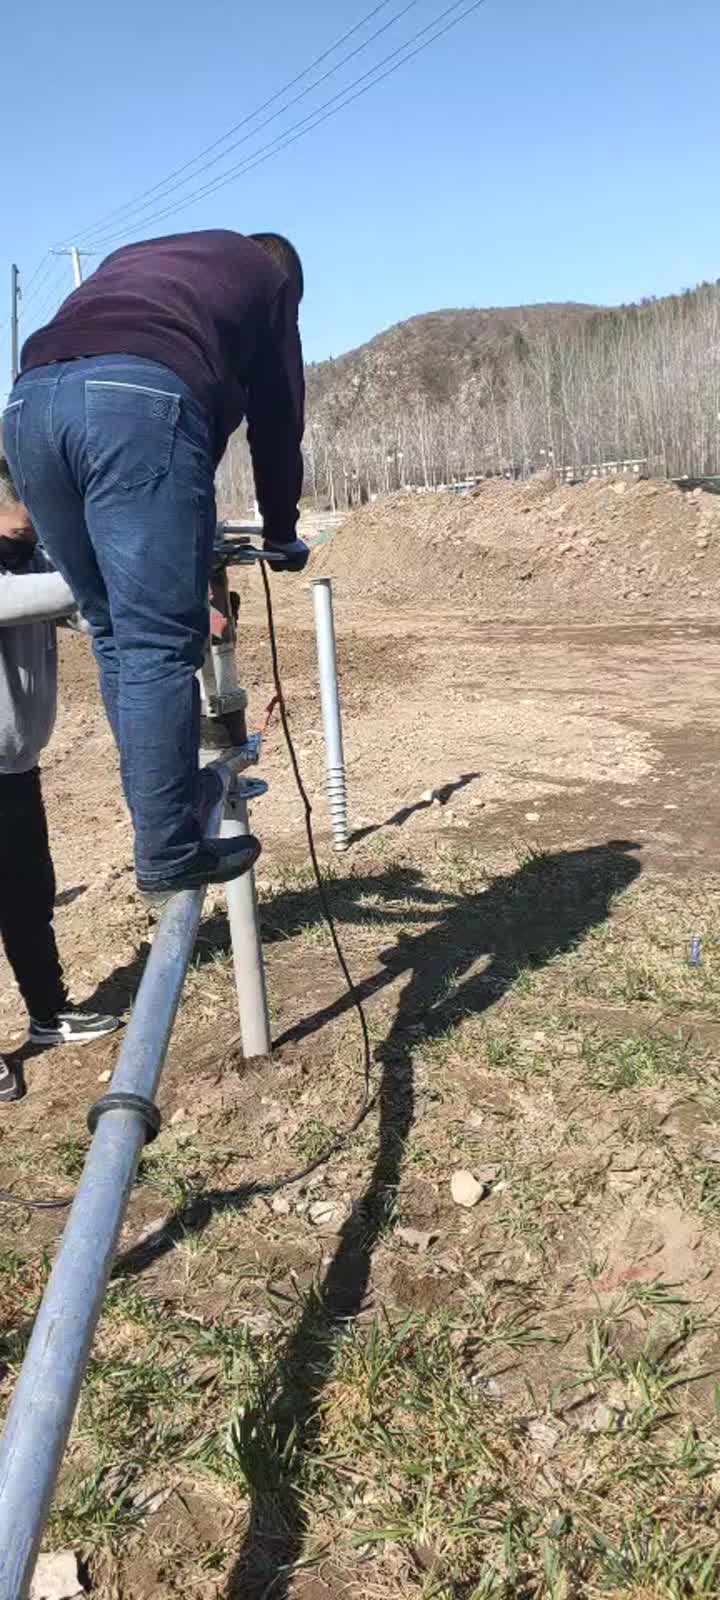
{"x": 16, "y": 554}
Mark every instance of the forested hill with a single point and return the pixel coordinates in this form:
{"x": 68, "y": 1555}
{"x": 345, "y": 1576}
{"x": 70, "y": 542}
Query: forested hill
{"x": 432, "y": 355}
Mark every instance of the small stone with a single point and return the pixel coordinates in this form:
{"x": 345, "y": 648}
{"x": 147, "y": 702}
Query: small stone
{"x": 104, "y": 1077}
{"x": 605, "y": 1419}
{"x": 325, "y": 1213}
{"x": 544, "y": 1434}
{"x": 532, "y": 816}
{"x": 622, "y": 1182}
{"x": 178, "y": 1116}
{"x": 476, "y": 1119}
{"x": 416, "y": 1238}
{"x": 281, "y": 1206}
{"x": 56, "y": 1577}
{"x": 152, "y": 1230}
{"x": 148, "y": 1500}
{"x": 465, "y": 1189}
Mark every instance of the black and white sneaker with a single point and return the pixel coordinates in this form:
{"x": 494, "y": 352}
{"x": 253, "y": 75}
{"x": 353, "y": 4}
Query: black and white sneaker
{"x": 9, "y": 1086}
{"x": 71, "y": 1027}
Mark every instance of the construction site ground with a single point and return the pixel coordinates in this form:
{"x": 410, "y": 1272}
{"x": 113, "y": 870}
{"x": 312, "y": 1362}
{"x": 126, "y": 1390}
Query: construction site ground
{"x": 316, "y": 1378}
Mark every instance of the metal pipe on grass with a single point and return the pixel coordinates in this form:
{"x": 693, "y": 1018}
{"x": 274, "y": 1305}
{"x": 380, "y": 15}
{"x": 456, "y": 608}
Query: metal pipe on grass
{"x": 245, "y": 928}
{"x": 46, "y": 1393}
{"x": 330, "y": 704}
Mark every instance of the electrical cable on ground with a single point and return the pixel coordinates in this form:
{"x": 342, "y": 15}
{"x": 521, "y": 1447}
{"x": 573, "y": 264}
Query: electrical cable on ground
{"x": 368, "y": 1099}
{"x": 7, "y": 1198}
{"x": 322, "y": 892}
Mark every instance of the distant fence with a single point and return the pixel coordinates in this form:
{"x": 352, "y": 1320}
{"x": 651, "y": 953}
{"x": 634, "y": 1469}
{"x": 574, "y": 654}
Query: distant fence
{"x": 602, "y": 469}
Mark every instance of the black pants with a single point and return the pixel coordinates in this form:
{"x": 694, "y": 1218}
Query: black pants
{"x": 27, "y": 895}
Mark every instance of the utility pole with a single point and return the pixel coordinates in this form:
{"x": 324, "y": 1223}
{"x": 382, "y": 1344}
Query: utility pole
{"x": 14, "y": 321}
{"x": 76, "y": 258}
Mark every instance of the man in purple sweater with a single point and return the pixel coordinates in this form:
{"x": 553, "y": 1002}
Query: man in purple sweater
{"x": 113, "y": 432}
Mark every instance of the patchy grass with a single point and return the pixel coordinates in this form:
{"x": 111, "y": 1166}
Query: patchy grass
{"x": 634, "y": 1062}
{"x": 385, "y": 1394}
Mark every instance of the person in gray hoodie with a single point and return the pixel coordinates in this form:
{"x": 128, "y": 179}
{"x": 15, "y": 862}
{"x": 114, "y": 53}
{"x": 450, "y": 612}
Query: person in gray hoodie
{"x": 32, "y": 599}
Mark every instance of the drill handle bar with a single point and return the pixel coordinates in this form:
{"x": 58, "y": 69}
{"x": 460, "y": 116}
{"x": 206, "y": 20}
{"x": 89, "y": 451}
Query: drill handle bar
{"x": 238, "y": 550}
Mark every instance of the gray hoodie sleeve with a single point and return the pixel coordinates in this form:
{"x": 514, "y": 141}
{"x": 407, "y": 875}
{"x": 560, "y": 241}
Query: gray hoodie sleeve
{"x": 33, "y": 597}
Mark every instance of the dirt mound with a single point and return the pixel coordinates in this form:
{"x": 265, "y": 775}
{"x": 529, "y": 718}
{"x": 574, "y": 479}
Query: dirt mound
{"x": 541, "y": 549}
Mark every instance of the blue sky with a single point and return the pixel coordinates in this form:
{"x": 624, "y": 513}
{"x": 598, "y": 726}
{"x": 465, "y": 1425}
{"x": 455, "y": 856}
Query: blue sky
{"x": 537, "y": 152}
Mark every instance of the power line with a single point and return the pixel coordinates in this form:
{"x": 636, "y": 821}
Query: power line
{"x": 289, "y": 136}
{"x": 52, "y": 270}
{"x": 28, "y": 295}
{"x": 40, "y": 283}
{"x": 48, "y": 305}
{"x": 322, "y": 113}
{"x": 137, "y": 218}
{"x": 50, "y": 290}
{"x": 50, "y": 297}
{"x": 38, "y": 268}
{"x": 118, "y": 211}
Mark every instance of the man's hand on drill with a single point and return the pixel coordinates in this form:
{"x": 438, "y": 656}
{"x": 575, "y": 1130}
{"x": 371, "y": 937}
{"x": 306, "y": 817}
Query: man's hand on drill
{"x": 295, "y": 555}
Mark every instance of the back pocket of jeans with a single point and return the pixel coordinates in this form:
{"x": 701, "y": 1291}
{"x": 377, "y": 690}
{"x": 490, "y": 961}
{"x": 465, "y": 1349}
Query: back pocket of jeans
{"x": 11, "y": 443}
{"x": 130, "y": 432}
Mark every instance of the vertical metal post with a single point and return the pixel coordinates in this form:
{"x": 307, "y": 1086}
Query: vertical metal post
{"x": 224, "y": 704}
{"x": 47, "y": 1390}
{"x": 245, "y": 928}
{"x": 330, "y": 703}
{"x": 76, "y": 256}
{"x": 14, "y": 322}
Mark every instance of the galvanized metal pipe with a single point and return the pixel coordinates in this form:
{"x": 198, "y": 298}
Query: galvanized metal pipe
{"x": 47, "y": 1390}
{"x": 330, "y": 704}
{"x": 245, "y": 928}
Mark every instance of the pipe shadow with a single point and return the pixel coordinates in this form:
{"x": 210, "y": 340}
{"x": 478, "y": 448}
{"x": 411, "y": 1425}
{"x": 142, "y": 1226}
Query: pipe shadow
{"x": 399, "y": 818}
{"x": 66, "y": 897}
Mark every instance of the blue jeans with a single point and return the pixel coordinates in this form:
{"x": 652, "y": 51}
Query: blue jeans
{"x": 113, "y": 458}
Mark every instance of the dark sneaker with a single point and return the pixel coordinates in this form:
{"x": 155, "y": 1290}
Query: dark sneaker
{"x": 218, "y": 861}
{"x": 9, "y": 1086}
{"x": 72, "y": 1027}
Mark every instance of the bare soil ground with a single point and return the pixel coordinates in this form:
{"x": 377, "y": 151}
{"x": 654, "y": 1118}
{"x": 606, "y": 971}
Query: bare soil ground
{"x": 607, "y": 548}
{"x": 321, "y": 1378}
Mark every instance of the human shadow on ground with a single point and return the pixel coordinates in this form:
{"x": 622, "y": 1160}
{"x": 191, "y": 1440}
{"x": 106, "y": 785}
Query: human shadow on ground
{"x": 116, "y": 992}
{"x": 522, "y": 919}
